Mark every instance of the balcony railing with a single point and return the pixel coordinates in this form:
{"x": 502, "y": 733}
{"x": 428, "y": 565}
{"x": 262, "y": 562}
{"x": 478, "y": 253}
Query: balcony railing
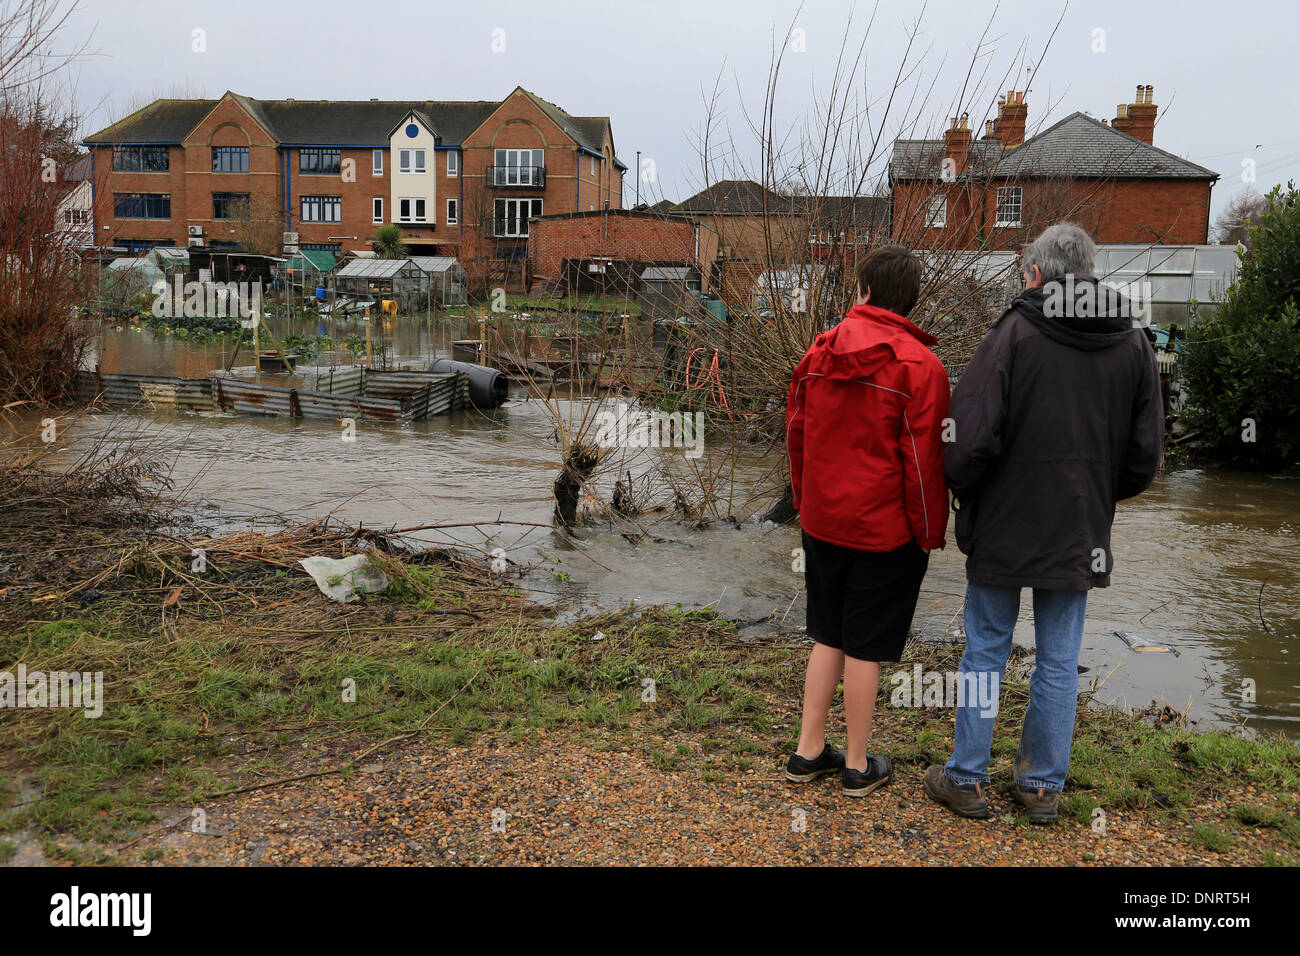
{"x": 527, "y": 177}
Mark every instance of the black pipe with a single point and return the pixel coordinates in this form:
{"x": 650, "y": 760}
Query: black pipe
{"x": 488, "y": 388}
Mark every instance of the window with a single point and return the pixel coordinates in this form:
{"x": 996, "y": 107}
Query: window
{"x": 405, "y": 157}
{"x": 410, "y": 210}
{"x": 1009, "y": 203}
{"x": 141, "y": 159}
{"x": 377, "y": 209}
{"x": 142, "y": 205}
{"x": 321, "y": 209}
{"x": 519, "y": 167}
{"x": 142, "y": 245}
{"x": 453, "y": 163}
{"x": 377, "y": 162}
{"x": 595, "y": 171}
{"x": 512, "y": 216}
{"x": 230, "y": 159}
{"x": 319, "y": 161}
{"x": 453, "y": 212}
{"x": 76, "y": 217}
{"x": 229, "y": 205}
{"x": 936, "y": 212}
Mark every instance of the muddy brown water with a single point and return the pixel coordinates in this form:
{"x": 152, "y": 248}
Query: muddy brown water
{"x": 1207, "y": 561}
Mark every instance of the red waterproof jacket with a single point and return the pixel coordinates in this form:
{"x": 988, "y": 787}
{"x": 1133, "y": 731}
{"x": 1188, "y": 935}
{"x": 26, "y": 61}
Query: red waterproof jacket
{"x": 865, "y": 433}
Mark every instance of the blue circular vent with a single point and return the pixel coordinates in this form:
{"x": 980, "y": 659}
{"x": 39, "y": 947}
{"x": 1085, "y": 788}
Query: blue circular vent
{"x": 412, "y": 130}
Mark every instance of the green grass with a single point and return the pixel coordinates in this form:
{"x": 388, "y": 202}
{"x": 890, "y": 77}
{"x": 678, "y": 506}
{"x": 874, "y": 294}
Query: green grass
{"x": 183, "y": 702}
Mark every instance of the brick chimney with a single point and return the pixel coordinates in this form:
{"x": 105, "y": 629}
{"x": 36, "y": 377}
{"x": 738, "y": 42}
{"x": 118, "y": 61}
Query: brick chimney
{"x": 1009, "y": 127}
{"x": 1138, "y": 118}
{"x": 956, "y": 139}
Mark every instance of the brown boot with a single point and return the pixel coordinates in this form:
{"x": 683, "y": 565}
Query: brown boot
{"x": 965, "y": 800}
{"x": 1041, "y": 804}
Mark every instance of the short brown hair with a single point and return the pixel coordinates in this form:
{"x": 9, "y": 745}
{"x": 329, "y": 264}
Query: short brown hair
{"x": 893, "y": 277}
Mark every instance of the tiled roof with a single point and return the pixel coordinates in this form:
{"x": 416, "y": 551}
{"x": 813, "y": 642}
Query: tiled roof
{"x": 1083, "y": 147}
{"x": 162, "y": 121}
{"x": 336, "y": 122}
{"x": 923, "y": 158}
{"x": 734, "y": 197}
{"x": 1077, "y": 147}
{"x": 743, "y": 197}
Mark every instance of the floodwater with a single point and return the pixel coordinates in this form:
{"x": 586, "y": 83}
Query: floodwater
{"x": 1207, "y": 561}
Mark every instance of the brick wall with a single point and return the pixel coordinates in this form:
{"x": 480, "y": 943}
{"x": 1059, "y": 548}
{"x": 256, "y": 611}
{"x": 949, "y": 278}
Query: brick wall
{"x": 626, "y": 237}
{"x": 1160, "y": 211}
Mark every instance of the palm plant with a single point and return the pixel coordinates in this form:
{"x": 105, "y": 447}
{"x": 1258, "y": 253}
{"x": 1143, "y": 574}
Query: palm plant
{"x": 388, "y": 243}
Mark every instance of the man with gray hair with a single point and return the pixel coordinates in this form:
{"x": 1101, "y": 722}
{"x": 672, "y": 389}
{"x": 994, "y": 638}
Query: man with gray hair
{"x": 1057, "y": 417}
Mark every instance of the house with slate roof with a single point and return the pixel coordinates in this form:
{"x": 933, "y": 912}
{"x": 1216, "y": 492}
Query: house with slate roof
{"x": 449, "y": 174}
{"x": 997, "y": 192}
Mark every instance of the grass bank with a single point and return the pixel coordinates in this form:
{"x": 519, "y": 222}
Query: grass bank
{"x": 241, "y": 678}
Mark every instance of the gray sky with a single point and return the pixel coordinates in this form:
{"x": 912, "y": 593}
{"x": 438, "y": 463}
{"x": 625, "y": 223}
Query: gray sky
{"x": 1225, "y": 74}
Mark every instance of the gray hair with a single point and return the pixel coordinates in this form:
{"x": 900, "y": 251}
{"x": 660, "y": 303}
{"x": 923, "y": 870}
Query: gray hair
{"x": 1059, "y": 250}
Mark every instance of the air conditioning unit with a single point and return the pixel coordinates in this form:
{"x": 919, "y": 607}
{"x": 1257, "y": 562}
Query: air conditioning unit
{"x": 290, "y": 238}
{"x": 196, "y": 231}
{"x": 196, "y": 240}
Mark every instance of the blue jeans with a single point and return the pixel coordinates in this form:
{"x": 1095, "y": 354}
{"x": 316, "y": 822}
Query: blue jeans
{"x": 1048, "y": 731}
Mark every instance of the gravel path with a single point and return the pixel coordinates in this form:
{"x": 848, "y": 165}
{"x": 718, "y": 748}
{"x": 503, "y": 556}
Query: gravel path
{"x": 565, "y": 799}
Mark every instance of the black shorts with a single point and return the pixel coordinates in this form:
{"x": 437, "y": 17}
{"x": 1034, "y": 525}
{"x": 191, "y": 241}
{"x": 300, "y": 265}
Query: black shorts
{"x": 862, "y": 602}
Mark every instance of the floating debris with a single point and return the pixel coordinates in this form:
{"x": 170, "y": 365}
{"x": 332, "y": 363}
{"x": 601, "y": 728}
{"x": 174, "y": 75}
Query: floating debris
{"x": 1144, "y": 646}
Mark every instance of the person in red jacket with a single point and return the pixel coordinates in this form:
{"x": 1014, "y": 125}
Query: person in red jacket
{"x": 865, "y": 426}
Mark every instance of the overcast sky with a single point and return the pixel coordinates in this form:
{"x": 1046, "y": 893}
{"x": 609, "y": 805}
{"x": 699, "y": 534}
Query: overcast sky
{"x": 1225, "y": 74}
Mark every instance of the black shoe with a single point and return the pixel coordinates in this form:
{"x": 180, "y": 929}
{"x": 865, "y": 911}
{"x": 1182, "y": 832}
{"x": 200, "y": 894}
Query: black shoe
{"x": 801, "y": 770}
{"x": 859, "y": 783}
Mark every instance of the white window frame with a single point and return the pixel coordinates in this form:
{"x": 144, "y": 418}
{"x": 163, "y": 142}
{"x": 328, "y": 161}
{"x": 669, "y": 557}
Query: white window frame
{"x": 1001, "y": 223}
{"x": 410, "y": 162}
{"x": 420, "y": 167}
{"x": 453, "y": 211}
{"x": 509, "y": 173}
{"x": 322, "y": 204}
{"x": 453, "y": 163}
{"x": 519, "y": 220}
{"x": 377, "y": 209}
{"x": 401, "y": 217}
{"x": 376, "y": 162}
{"x": 936, "y": 212}
{"x": 595, "y": 171}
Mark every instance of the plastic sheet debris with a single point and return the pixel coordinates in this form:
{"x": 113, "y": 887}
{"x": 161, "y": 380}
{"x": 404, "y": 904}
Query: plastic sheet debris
{"x": 1144, "y": 646}
{"x": 346, "y": 579}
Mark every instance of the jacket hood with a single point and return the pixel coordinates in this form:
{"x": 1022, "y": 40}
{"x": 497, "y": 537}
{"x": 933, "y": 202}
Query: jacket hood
{"x": 1078, "y": 311}
{"x": 867, "y": 339}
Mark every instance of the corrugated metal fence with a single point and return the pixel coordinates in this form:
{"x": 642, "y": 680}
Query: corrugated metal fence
{"x": 350, "y": 392}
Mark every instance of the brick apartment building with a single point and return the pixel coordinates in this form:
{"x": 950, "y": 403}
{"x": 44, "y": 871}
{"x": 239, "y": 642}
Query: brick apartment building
{"x": 996, "y": 192}
{"x": 458, "y": 178}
